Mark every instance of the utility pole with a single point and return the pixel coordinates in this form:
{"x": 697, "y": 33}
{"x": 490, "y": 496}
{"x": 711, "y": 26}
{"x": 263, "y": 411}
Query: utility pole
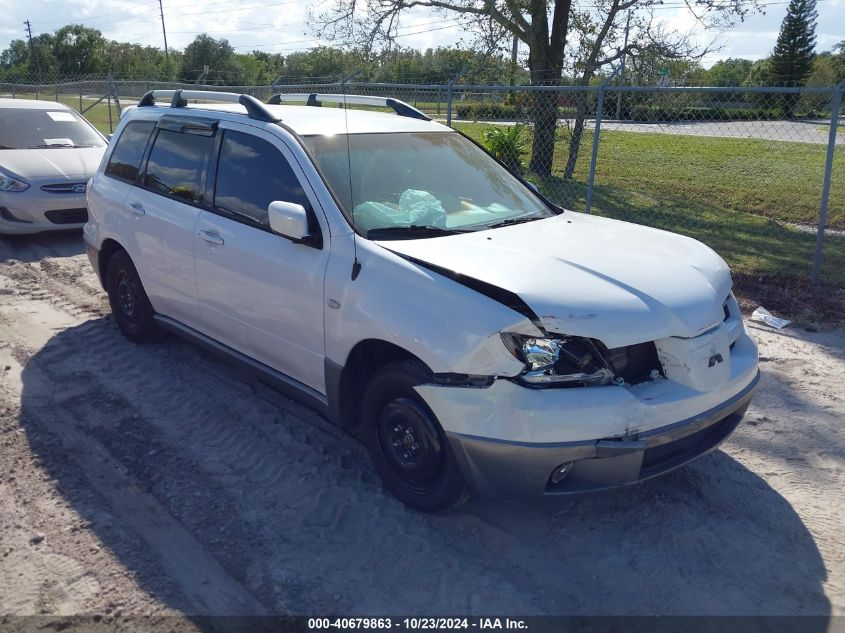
{"x": 164, "y": 32}
{"x": 32, "y": 49}
{"x": 622, "y": 66}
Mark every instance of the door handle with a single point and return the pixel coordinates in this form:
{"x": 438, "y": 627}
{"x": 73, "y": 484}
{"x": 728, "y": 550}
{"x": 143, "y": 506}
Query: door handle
{"x": 137, "y": 208}
{"x": 211, "y": 237}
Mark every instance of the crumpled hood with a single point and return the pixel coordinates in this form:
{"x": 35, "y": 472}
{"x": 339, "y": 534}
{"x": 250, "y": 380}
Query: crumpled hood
{"x": 62, "y": 163}
{"x": 589, "y": 276}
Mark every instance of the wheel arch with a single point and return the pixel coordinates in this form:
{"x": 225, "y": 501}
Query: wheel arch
{"x": 345, "y": 383}
{"x": 107, "y": 250}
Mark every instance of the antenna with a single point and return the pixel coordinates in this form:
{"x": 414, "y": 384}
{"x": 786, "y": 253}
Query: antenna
{"x": 356, "y": 264}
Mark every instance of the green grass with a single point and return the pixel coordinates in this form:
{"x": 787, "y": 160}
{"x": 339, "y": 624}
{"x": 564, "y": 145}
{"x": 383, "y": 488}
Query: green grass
{"x": 736, "y": 195}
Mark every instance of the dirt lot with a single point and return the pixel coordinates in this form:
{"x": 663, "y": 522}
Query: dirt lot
{"x": 157, "y": 480}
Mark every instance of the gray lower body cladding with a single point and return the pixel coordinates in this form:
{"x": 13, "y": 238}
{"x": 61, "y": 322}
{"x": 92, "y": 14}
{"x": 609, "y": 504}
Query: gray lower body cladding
{"x": 513, "y": 469}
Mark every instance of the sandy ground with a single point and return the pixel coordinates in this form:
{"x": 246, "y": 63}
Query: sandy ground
{"x": 157, "y": 480}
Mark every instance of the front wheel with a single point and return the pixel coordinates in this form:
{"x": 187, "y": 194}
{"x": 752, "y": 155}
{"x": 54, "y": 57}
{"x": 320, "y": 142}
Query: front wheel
{"x": 408, "y": 447}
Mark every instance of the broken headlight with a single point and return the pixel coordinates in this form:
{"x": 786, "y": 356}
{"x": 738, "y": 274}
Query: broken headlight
{"x": 562, "y": 360}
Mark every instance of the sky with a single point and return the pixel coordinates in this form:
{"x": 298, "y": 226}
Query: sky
{"x": 282, "y": 25}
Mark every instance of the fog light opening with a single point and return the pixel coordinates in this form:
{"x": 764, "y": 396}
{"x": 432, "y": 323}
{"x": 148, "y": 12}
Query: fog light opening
{"x": 560, "y": 473}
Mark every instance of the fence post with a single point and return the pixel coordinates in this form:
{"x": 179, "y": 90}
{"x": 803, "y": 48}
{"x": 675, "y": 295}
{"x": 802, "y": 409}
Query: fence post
{"x": 835, "y": 106}
{"x": 80, "y": 96}
{"x": 596, "y": 129}
{"x": 108, "y": 102}
{"x": 449, "y": 87}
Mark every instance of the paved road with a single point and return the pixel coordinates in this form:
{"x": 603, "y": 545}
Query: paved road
{"x": 796, "y": 131}
{"x": 801, "y": 131}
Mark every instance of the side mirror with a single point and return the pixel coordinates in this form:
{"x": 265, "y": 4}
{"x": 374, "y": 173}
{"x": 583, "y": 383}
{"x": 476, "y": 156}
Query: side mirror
{"x": 289, "y": 220}
{"x": 109, "y": 137}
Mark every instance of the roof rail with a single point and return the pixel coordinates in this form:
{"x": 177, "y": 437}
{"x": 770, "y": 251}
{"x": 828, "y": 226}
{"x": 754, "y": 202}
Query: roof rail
{"x": 179, "y": 99}
{"x": 314, "y": 99}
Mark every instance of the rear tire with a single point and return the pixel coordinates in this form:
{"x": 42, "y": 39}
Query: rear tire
{"x": 407, "y": 445}
{"x": 129, "y": 303}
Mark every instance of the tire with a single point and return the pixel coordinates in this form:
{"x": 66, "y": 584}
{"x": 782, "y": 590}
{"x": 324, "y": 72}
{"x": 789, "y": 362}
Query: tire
{"x": 407, "y": 445}
{"x": 129, "y": 303}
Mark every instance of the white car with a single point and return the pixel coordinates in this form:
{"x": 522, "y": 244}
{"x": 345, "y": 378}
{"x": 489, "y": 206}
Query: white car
{"x": 386, "y": 270}
{"x": 48, "y": 153}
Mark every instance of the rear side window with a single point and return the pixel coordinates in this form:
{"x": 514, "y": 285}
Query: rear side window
{"x": 176, "y": 164}
{"x": 125, "y": 160}
{"x": 251, "y": 174}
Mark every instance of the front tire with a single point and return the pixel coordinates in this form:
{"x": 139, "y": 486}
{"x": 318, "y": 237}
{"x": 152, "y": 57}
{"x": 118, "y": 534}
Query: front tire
{"x": 407, "y": 445}
{"x": 129, "y": 303}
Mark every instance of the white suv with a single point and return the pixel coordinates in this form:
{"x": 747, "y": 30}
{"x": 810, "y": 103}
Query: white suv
{"x": 386, "y": 270}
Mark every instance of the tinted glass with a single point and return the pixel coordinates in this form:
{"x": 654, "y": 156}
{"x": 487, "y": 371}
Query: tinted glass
{"x": 28, "y": 128}
{"x": 251, "y": 174}
{"x": 125, "y": 160}
{"x": 176, "y": 164}
{"x": 406, "y": 179}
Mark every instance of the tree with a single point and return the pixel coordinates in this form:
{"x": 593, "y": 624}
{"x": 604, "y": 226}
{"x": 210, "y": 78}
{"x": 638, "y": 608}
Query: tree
{"x": 838, "y": 55}
{"x": 760, "y": 73}
{"x": 792, "y": 59}
{"x": 218, "y": 55}
{"x": 545, "y": 27}
{"x": 79, "y": 50}
{"x": 729, "y": 72}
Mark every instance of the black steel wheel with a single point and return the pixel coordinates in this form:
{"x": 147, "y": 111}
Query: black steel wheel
{"x": 406, "y": 442}
{"x": 129, "y": 303}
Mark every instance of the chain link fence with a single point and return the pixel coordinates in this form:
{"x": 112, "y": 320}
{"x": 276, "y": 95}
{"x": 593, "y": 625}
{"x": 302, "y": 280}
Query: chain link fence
{"x": 748, "y": 171}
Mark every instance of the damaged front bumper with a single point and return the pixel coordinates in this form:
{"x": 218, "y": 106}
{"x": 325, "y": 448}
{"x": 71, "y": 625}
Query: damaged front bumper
{"x": 509, "y": 440}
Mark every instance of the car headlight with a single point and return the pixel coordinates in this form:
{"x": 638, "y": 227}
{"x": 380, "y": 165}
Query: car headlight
{"x": 565, "y": 360}
{"x": 7, "y": 183}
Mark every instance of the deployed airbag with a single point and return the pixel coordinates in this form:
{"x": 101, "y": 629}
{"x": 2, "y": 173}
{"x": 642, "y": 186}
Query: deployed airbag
{"x": 416, "y": 207}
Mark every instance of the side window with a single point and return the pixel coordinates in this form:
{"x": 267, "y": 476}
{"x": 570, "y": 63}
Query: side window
{"x": 251, "y": 174}
{"x": 125, "y": 160}
{"x": 176, "y": 164}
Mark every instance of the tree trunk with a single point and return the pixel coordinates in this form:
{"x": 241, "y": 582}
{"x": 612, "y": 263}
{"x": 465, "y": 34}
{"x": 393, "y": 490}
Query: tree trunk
{"x": 544, "y": 117}
{"x": 577, "y": 133}
{"x": 545, "y": 71}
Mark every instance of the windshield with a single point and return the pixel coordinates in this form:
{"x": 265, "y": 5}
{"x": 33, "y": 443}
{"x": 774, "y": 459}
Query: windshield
{"x": 438, "y": 180}
{"x": 28, "y": 128}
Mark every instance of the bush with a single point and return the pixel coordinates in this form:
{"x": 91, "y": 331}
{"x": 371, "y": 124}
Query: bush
{"x": 507, "y": 144}
{"x": 477, "y": 110}
{"x": 482, "y": 110}
{"x": 659, "y": 114}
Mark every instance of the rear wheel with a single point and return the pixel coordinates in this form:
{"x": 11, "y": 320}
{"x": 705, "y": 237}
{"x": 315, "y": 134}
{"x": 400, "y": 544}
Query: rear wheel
{"x": 407, "y": 445}
{"x": 130, "y": 305}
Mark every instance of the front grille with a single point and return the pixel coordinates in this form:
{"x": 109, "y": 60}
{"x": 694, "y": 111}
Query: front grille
{"x": 65, "y": 187}
{"x": 635, "y": 363}
{"x": 67, "y": 216}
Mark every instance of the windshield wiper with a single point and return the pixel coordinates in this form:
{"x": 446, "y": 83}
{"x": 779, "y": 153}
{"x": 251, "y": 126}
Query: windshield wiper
{"x": 410, "y": 232}
{"x": 517, "y": 220}
{"x": 51, "y": 145}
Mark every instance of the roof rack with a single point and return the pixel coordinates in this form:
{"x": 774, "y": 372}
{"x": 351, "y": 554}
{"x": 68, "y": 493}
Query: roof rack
{"x": 179, "y": 99}
{"x": 315, "y": 99}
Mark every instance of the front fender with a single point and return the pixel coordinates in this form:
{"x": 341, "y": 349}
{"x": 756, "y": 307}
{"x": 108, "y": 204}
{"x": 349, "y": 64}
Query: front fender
{"x": 451, "y": 328}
